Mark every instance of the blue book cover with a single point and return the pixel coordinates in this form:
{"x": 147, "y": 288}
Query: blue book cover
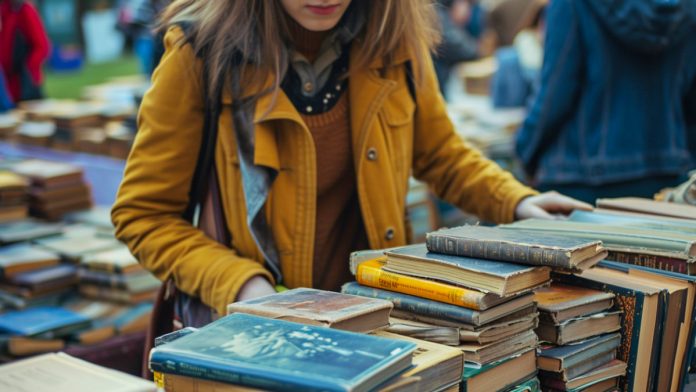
{"x": 40, "y": 320}
{"x": 692, "y": 333}
{"x": 631, "y": 303}
{"x": 489, "y": 267}
{"x": 417, "y": 305}
{"x": 640, "y": 222}
{"x": 280, "y": 355}
{"x": 572, "y": 354}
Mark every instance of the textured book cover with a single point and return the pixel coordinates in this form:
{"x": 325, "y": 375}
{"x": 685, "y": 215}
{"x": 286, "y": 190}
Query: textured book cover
{"x": 517, "y": 246}
{"x": 275, "y": 354}
{"x": 39, "y": 320}
{"x": 430, "y": 308}
{"x": 317, "y": 307}
{"x": 570, "y": 355}
{"x": 490, "y": 276}
{"x": 558, "y": 297}
{"x": 371, "y": 273}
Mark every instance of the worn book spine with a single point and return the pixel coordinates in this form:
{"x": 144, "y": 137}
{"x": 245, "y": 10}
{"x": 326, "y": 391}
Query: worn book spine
{"x": 171, "y": 363}
{"x": 498, "y": 250}
{"x": 420, "y": 306}
{"x": 371, "y": 274}
{"x": 651, "y": 261}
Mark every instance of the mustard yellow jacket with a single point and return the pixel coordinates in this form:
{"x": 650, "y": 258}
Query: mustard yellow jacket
{"x": 393, "y": 138}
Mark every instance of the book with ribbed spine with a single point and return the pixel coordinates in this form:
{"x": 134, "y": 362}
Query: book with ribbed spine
{"x": 371, "y": 273}
{"x": 274, "y": 354}
{"x": 440, "y": 310}
{"x": 517, "y": 246}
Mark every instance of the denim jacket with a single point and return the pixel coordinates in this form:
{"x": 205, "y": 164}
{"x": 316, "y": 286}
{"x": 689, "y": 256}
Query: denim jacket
{"x": 617, "y": 99}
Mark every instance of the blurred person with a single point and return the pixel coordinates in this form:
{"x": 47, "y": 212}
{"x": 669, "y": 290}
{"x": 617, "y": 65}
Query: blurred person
{"x": 5, "y": 99}
{"x": 504, "y": 21}
{"x": 324, "y": 110}
{"x": 614, "y": 115}
{"x": 24, "y": 47}
{"x": 457, "y": 44}
{"x": 146, "y": 42}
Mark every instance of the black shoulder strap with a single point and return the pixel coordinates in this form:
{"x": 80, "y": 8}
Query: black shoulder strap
{"x": 410, "y": 80}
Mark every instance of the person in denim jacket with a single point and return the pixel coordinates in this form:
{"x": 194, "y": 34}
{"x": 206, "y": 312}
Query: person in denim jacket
{"x": 616, "y": 111}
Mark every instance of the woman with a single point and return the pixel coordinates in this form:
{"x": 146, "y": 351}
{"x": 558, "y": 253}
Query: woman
{"x": 23, "y": 49}
{"x": 310, "y": 164}
{"x": 617, "y": 99}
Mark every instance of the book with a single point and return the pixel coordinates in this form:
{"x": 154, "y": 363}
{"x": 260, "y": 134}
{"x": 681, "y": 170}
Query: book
{"x": 679, "y": 318}
{"x": 45, "y": 322}
{"x": 117, "y": 295}
{"x": 435, "y": 366}
{"x": 59, "y": 372}
{"x": 176, "y": 383}
{"x": 517, "y": 246}
{"x": 117, "y": 260}
{"x": 74, "y": 248}
{"x": 371, "y": 273}
{"x": 489, "y": 276}
{"x": 582, "y": 367}
{"x": 275, "y": 354}
{"x": 642, "y": 324}
{"x": 441, "y": 310}
{"x": 579, "y": 328}
{"x": 648, "y": 206}
{"x": 27, "y": 230}
{"x": 530, "y": 385}
{"x": 21, "y": 346}
{"x": 482, "y": 354}
{"x": 48, "y": 173}
{"x": 499, "y": 375}
{"x": 321, "y": 308}
{"x": 453, "y": 334}
{"x": 18, "y": 258}
{"x": 44, "y": 280}
{"x": 132, "y": 282}
{"x": 611, "y": 370}
{"x": 558, "y": 303}
{"x": 608, "y": 385}
{"x": 609, "y": 217}
{"x": 558, "y": 358}
{"x": 614, "y": 237}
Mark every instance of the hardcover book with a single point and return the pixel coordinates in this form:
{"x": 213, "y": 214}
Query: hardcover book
{"x": 483, "y": 354}
{"x": 582, "y": 367}
{"x": 18, "y": 258}
{"x": 318, "y": 307}
{"x": 579, "y": 328}
{"x": 499, "y": 375}
{"x": 371, "y": 273}
{"x": 116, "y": 260}
{"x": 46, "y": 280}
{"x": 558, "y": 358}
{"x": 27, "y": 230}
{"x": 440, "y": 310}
{"x": 558, "y": 302}
{"x": 517, "y": 246}
{"x": 642, "y": 324}
{"x": 48, "y": 173}
{"x": 42, "y": 321}
{"x": 531, "y": 385}
{"x": 274, "y": 354}
{"x": 609, "y": 371}
{"x": 59, "y": 372}
{"x": 489, "y": 276}
{"x": 648, "y": 206}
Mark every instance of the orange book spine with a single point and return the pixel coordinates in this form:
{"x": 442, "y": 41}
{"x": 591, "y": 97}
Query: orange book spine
{"x": 370, "y": 273}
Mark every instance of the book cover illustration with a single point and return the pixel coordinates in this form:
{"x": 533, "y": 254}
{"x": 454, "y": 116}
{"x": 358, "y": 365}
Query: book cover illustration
{"x": 315, "y": 304}
{"x": 255, "y": 351}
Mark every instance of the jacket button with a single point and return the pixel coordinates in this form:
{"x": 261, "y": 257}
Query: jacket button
{"x": 389, "y": 235}
{"x": 372, "y": 154}
{"x": 308, "y": 87}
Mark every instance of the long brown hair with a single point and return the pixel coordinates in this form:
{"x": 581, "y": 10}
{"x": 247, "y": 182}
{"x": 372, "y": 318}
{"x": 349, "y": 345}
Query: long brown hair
{"x": 228, "y": 33}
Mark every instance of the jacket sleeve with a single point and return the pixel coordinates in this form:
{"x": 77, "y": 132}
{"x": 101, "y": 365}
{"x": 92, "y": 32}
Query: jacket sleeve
{"x": 456, "y": 171}
{"x": 560, "y": 85}
{"x": 37, "y": 40}
{"x": 154, "y": 192}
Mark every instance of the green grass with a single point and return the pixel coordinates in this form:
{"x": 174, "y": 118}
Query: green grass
{"x": 69, "y": 85}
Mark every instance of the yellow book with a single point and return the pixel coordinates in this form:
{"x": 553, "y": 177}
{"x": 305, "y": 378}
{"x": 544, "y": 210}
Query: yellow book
{"x": 370, "y": 273}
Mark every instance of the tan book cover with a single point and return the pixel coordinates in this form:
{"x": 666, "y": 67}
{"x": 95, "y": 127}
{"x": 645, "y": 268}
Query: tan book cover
{"x": 483, "y": 354}
{"x": 318, "y": 307}
{"x": 561, "y": 302}
{"x": 648, "y": 206}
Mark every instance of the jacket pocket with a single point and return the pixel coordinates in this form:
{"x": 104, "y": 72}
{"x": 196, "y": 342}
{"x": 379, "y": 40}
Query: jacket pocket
{"x": 397, "y": 120}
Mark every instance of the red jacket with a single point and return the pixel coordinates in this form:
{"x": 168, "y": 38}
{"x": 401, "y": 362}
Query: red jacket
{"x": 22, "y": 19}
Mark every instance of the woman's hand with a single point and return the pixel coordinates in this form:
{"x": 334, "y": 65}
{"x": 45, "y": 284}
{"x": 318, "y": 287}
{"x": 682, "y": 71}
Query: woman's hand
{"x": 254, "y": 288}
{"x": 549, "y": 205}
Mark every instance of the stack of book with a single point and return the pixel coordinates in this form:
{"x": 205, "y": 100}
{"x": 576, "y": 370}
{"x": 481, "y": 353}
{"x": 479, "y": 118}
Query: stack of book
{"x": 471, "y": 287}
{"x": 581, "y": 327}
{"x": 30, "y": 276}
{"x": 77, "y": 241}
{"x": 116, "y": 275}
{"x": 56, "y": 188}
{"x": 13, "y": 197}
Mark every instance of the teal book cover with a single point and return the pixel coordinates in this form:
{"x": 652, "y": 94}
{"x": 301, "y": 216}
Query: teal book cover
{"x": 40, "y": 320}
{"x": 280, "y": 355}
{"x": 630, "y": 302}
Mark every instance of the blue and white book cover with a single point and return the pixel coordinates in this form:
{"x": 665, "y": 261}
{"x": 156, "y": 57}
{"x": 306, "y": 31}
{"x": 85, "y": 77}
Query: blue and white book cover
{"x": 280, "y": 355}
